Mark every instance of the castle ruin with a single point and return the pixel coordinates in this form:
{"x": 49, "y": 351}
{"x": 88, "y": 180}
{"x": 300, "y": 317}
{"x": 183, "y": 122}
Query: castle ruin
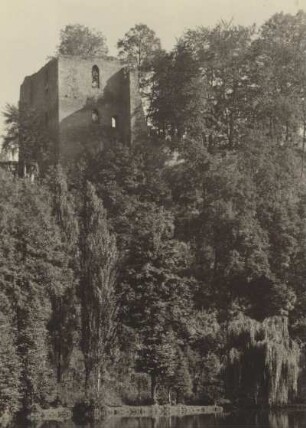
{"x": 84, "y": 104}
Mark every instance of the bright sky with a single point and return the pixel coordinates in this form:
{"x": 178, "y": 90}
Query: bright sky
{"x": 29, "y": 29}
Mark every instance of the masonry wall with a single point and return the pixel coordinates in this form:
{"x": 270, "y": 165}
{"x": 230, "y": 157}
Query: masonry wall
{"x": 78, "y": 99}
{"x": 39, "y": 92}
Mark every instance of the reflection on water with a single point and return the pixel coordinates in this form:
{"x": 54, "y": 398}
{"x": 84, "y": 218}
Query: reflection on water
{"x": 278, "y": 419}
{"x": 281, "y": 419}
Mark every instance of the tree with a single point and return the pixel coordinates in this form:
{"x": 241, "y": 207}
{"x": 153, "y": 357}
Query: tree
{"x": 262, "y": 361}
{"x": 33, "y": 269}
{"x": 202, "y": 88}
{"x": 10, "y": 367}
{"x": 157, "y": 293}
{"x": 279, "y": 76}
{"x": 222, "y": 58}
{"x": 178, "y": 94}
{"x": 182, "y": 382}
{"x": 62, "y": 325}
{"x": 12, "y": 124}
{"x": 140, "y": 47}
{"x": 98, "y": 264}
{"x": 157, "y": 357}
{"x": 205, "y": 352}
{"x": 26, "y": 132}
{"x": 126, "y": 178}
{"x": 78, "y": 39}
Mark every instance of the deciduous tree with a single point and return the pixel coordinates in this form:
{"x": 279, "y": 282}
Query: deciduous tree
{"x": 77, "y": 39}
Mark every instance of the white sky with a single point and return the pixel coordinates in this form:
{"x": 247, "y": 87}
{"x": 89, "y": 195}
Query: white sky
{"x": 29, "y": 29}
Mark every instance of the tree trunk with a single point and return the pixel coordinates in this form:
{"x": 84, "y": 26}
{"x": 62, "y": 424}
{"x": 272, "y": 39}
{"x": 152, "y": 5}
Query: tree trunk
{"x": 59, "y": 369}
{"x": 59, "y": 344}
{"x": 153, "y": 389}
{"x": 169, "y": 395}
{"x": 87, "y": 374}
{"x": 98, "y": 380}
{"x": 303, "y": 149}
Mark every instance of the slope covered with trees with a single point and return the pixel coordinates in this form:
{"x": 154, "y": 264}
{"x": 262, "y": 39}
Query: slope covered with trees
{"x": 173, "y": 270}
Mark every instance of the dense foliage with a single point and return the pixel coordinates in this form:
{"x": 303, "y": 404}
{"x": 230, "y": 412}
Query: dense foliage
{"x": 173, "y": 270}
{"x": 78, "y": 39}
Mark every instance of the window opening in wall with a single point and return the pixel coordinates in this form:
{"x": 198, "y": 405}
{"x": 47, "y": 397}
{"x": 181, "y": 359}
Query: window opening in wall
{"x": 95, "y": 74}
{"x": 95, "y": 116}
{"x": 114, "y": 122}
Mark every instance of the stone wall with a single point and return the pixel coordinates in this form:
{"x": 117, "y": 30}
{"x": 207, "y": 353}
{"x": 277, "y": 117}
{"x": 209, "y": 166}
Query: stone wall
{"x": 78, "y": 100}
{"x": 40, "y": 93}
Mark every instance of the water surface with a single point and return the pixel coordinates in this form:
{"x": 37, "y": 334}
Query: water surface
{"x": 279, "y": 419}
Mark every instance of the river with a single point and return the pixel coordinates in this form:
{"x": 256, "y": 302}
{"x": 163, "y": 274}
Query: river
{"x": 277, "y": 419}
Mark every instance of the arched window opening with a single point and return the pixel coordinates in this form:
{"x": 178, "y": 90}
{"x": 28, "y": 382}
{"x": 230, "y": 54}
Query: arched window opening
{"x": 95, "y": 74}
{"x": 114, "y": 122}
{"x": 95, "y": 116}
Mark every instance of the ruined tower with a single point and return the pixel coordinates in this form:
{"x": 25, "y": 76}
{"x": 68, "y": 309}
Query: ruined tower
{"x": 85, "y": 103}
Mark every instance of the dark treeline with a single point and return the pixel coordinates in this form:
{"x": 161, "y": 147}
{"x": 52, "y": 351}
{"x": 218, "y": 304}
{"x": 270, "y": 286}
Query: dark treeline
{"x": 173, "y": 270}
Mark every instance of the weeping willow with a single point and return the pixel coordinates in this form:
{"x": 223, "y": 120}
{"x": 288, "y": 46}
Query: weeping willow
{"x": 262, "y": 364}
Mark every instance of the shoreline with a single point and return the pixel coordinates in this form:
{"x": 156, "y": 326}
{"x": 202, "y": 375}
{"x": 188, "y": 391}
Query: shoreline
{"x": 64, "y": 413}
{"x": 61, "y": 414}
{"x": 166, "y": 409}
